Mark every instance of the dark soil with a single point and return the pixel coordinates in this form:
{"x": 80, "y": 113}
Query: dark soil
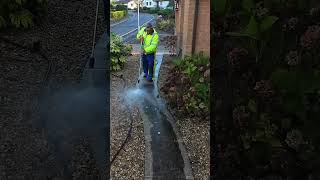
{"x": 65, "y": 37}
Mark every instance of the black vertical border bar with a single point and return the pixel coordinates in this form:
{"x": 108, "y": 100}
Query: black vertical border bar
{"x": 213, "y": 149}
{"x": 106, "y": 9}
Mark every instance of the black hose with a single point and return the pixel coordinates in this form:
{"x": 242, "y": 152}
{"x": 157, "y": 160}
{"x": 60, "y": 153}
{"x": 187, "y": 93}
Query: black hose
{"x": 129, "y": 130}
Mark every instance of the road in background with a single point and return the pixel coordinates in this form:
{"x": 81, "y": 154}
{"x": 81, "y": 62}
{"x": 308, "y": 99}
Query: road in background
{"x": 129, "y": 26}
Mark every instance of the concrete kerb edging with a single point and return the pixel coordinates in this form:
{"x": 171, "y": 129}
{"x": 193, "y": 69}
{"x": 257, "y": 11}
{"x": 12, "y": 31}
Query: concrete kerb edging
{"x": 136, "y": 28}
{"x": 187, "y": 165}
{"x": 187, "y": 168}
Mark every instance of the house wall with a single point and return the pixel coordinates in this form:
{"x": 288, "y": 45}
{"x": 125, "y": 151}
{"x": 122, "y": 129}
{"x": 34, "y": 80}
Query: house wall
{"x": 149, "y": 4}
{"x": 132, "y": 5}
{"x": 185, "y": 25}
{"x": 163, "y": 4}
{"x": 203, "y": 30}
{"x": 153, "y": 4}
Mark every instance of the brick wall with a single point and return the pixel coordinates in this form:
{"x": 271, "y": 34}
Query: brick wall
{"x": 185, "y": 26}
{"x": 189, "y": 10}
{"x": 203, "y": 28}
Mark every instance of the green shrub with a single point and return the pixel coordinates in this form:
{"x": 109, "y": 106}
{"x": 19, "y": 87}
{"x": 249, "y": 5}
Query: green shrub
{"x": 166, "y": 13}
{"x": 121, "y": 7}
{"x": 195, "y": 89}
{"x": 149, "y": 10}
{"x": 165, "y": 24}
{"x": 21, "y": 13}
{"x": 119, "y": 52}
{"x": 273, "y": 87}
{"x": 117, "y": 15}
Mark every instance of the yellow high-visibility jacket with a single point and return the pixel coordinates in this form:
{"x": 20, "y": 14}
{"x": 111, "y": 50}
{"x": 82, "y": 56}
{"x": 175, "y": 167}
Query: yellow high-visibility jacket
{"x": 150, "y": 43}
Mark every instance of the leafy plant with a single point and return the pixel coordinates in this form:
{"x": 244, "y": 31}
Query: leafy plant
{"x": 117, "y": 15}
{"x": 166, "y": 13}
{"x": 119, "y": 52}
{"x": 275, "y": 100}
{"x": 21, "y": 13}
{"x": 165, "y": 24}
{"x": 219, "y": 6}
{"x": 193, "y": 93}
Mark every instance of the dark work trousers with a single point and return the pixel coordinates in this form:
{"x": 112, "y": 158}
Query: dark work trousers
{"x": 148, "y": 65}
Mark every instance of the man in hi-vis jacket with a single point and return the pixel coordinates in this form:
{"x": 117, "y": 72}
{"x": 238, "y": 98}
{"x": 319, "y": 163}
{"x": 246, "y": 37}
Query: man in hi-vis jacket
{"x": 149, "y": 42}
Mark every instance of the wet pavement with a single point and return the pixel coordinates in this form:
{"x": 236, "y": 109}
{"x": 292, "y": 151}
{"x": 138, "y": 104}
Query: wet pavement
{"x": 163, "y": 157}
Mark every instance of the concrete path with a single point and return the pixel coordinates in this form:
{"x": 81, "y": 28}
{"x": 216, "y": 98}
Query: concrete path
{"x": 165, "y": 154}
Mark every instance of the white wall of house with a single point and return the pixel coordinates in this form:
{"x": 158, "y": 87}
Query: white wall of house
{"x": 148, "y": 4}
{"x": 163, "y": 4}
{"x": 153, "y": 4}
{"x": 132, "y": 5}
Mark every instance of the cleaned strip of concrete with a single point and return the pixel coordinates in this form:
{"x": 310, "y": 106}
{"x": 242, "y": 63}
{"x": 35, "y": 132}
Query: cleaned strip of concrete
{"x": 166, "y": 156}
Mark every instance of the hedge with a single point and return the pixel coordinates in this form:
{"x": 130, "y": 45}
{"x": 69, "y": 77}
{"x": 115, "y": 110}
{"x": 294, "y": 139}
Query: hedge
{"x": 116, "y": 15}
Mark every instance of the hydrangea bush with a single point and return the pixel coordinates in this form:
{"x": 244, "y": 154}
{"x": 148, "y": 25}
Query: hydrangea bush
{"x": 271, "y": 50}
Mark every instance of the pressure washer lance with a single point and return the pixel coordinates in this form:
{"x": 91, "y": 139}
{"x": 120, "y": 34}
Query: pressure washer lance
{"x": 140, "y": 43}
{"x": 141, "y": 52}
{"x": 92, "y": 59}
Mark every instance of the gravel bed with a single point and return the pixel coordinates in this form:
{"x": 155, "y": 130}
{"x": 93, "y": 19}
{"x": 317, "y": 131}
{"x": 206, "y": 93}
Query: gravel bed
{"x": 194, "y": 131}
{"x": 65, "y": 36}
{"x": 130, "y": 162}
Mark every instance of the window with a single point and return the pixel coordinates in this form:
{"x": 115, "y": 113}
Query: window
{"x": 160, "y": 2}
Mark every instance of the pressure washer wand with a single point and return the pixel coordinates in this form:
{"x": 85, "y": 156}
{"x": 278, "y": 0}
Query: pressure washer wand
{"x": 92, "y": 58}
{"x": 140, "y": 42}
